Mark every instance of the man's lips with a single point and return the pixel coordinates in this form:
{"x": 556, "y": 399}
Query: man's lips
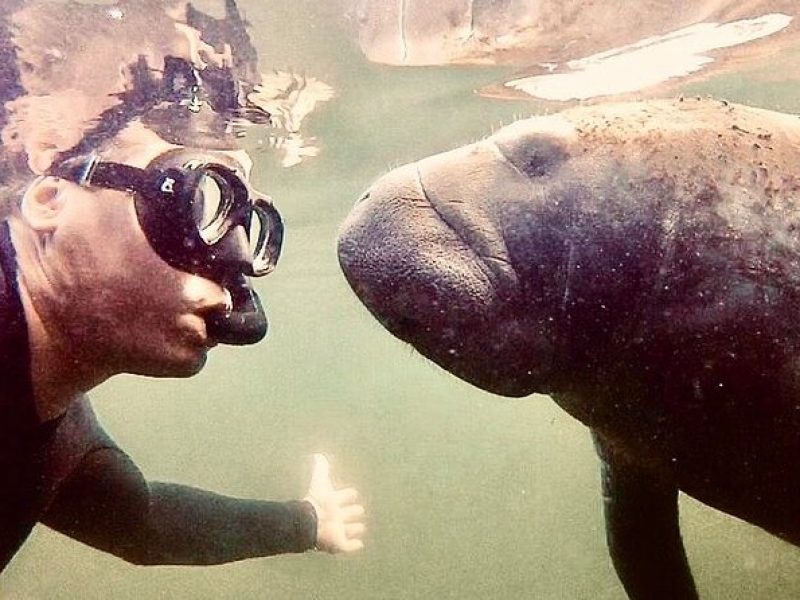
{"x": 195, "y": 330}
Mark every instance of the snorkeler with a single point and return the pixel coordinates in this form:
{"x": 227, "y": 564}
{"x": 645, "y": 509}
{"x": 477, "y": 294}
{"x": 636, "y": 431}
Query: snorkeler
{"x": 132, "y": 252}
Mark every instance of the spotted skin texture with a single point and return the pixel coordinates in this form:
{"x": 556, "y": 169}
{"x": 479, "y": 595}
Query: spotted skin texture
{"x": 638, "y": 262}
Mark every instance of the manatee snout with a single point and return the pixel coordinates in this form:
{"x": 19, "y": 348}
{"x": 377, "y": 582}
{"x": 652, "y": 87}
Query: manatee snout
{"x": 409, "y": 268}
{"x": 424, "y": 250}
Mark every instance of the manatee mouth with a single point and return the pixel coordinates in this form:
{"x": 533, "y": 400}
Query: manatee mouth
{"x": 406, "y": 260}
{"x": 479, "y": 241}
{"x": 443, "y": 221}
{"x": 427, "y": 258}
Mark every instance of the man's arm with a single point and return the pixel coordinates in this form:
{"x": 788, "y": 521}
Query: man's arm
{"x": 107, "y": 504}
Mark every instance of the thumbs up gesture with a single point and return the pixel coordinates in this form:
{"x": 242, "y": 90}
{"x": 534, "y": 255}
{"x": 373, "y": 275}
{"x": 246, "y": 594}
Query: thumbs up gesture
{"x": 340, "y": 518}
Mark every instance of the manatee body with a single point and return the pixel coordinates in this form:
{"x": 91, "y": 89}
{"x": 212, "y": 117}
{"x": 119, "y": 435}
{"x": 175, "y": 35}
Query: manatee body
{"x": 638, "y": 262}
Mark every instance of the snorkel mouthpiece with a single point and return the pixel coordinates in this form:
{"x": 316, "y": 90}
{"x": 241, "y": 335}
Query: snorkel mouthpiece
{"x": 245, "y": 323}
{"x": 207, "y": 221}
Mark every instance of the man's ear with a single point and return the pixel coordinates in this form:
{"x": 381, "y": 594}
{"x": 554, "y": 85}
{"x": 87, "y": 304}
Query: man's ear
{"x": 42, "y": 203}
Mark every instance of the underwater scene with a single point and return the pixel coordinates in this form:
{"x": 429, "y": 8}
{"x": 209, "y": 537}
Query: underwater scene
{"x": 470, "y": 492}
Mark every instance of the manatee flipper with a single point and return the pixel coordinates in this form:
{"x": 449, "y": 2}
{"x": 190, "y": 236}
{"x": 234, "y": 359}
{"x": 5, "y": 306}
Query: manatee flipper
{"x": 642, "y": 530}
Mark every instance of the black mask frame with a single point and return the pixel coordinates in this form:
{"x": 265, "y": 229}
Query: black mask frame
{"x": 167, "y": 208}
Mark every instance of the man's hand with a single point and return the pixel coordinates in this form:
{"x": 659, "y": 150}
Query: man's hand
{"x": 340, "y": 519}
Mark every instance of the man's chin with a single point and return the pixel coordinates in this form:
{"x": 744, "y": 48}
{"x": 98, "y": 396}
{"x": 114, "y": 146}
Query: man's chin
{"x": 182, "y": 366}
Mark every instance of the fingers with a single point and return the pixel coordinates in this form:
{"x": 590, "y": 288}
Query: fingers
{"x": 354, "y": 530}
{"x": 352, "y": 546}
{"x": 349, "y": 509}
{"x": 351, "y": 513}
{"x": 351, "y": 540}
{"x": 350, "y": 529}
{"x": 321, "y": 475}
{"x": 340, "y": 516}
{"x": 346, "y": 496}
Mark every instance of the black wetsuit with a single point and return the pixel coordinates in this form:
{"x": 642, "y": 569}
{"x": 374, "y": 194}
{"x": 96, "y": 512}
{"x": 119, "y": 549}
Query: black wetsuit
{"x": 68, "y": 474}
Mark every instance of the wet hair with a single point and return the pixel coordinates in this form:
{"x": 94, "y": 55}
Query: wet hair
{"x": 10, "y": 88}
{"x": 161, "y": 102}
{"x": 167, "y": 93}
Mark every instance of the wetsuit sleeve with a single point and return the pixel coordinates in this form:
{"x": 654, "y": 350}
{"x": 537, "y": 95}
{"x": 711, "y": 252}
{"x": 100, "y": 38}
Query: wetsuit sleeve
{"x": 106, "y": 503}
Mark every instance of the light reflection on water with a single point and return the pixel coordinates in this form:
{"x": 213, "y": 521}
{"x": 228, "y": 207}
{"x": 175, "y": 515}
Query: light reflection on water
{"x": 648, "y": 62}
{"x": 468, "y": 495}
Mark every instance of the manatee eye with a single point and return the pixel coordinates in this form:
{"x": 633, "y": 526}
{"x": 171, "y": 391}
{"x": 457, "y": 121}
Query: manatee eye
{"x": 535, "y": 154}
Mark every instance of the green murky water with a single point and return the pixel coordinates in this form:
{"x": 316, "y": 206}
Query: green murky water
{"x": 468, "y": 495}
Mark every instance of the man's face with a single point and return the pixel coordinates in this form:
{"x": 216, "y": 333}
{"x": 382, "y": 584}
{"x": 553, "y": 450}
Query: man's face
{"x": 120, "y": 304}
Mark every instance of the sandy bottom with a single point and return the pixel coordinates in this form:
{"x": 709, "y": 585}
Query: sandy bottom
{"x": 647, "y": 63}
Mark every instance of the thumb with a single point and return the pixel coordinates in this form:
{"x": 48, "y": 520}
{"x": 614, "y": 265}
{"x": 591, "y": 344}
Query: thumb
{"x": 320, "y": 475}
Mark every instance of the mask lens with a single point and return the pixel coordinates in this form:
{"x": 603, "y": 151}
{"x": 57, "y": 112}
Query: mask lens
{"x": 256, "y": 234}
{"x": 266, "y": 237}
{"x": 211, "y": 205}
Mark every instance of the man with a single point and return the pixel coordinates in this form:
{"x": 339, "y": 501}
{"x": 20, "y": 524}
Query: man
{"x": 129, "y": 253}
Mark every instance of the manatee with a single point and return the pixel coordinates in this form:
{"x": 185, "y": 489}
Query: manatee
{"x": 639, "y": 263}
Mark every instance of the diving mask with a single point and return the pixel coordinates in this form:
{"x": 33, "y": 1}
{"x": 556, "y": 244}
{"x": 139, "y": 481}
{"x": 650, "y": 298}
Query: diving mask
{"x": 203, "y": 218}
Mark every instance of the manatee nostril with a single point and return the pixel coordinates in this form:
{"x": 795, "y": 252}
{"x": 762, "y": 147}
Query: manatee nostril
{"x": 363, "y": 197}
